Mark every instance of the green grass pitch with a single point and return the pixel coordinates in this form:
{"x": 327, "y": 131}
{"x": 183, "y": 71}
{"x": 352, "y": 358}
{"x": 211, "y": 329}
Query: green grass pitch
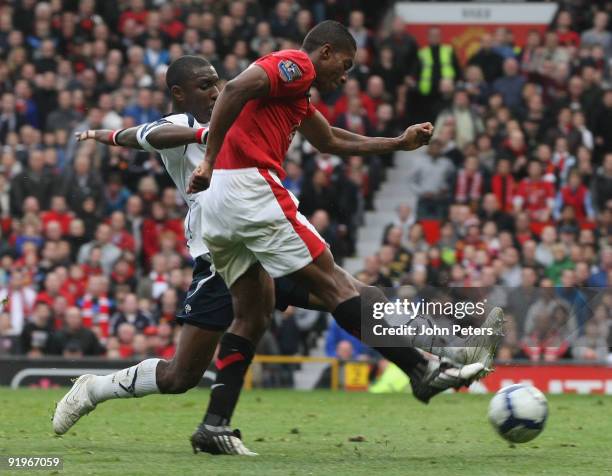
{"x": 308, "y": 433}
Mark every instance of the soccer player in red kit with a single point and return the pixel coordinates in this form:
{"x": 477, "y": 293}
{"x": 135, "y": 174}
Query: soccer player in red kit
{"x": 254, "y": 229}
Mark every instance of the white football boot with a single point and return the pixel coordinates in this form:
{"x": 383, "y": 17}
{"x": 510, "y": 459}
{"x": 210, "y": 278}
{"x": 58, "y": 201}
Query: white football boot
{"x": 478, "y": 348}
{"x": 438, "y": 375}
{"x": 73, "y": 406}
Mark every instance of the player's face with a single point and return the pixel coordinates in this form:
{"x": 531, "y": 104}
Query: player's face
{"x": 200, "y": 93}
{"x": 333, "y": 69}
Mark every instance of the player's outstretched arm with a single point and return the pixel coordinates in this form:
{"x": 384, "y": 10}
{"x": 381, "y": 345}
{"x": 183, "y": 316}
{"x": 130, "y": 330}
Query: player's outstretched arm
{"x": 334, "y": 140}
{"x": 250, "y": 84}
{"x": 165, "y": 137}
{"x": 120, "y": 137}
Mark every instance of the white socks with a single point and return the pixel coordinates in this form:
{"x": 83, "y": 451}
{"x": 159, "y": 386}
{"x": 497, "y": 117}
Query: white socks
{"x": 136, "y": 381}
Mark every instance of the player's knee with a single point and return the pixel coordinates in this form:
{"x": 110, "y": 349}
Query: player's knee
{"x": 251, "y": 326}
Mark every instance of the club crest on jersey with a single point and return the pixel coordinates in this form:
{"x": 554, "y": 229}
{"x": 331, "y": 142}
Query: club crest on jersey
{"x": 289, "y": 71}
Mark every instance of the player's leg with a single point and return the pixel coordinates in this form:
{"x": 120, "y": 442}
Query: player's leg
{"x": 253, "y": 297}
{"x": 333, "y": 291}
{"x": 428, "y": 375}
{"x": 289, "y": 293}
{"x": 241, "y": 338}
{"x": 238, "y": 344}
{"x": 207, "y": 313}
{"x": 194, "y": 352}
{"x": 209, "y": 305}
{"x": 227, "y": 209}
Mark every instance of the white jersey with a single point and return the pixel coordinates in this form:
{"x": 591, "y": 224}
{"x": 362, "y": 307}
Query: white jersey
{"x": 180, "y": 162}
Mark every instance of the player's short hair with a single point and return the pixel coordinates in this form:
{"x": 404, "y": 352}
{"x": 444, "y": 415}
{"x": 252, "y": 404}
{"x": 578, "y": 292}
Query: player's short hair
{"x": 181, "y": 69}
{"x": 332, "y": 32}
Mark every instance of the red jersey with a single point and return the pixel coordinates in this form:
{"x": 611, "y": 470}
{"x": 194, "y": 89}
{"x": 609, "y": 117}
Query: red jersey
{"x": 536, "y": 195}
{"x": 263, "y": 130}
{"x": 63, "y": 219}
{"x": 503, "y": 187}
{"x": 575, "y": 198}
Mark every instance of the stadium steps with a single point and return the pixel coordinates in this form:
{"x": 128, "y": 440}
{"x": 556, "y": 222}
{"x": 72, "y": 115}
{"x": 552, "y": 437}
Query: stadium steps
{"x": 394, "y": 191}
{"x": 307, "y": 377}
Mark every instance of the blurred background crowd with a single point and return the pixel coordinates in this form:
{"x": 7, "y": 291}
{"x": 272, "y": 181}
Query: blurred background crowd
{"x": 514, "y": 190}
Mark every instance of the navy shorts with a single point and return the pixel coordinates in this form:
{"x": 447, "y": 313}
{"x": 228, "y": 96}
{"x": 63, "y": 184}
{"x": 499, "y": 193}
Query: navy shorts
{"x": 208, "y": 304}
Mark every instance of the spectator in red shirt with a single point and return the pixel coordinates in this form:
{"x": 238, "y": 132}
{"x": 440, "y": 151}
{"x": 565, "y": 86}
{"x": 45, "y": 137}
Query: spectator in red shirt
{"x": 52, "y": 289}
{"x": 125, "y": 335}
{"x": 352, "y": 90}
{"x": 503, "y": 186}
{"x": 565, "y": 129}
{"x": 53, "y": 232}
{"x": 357, "y": 172}
{"x": 137, "y": 13}
{"x": 535, "y": 195}
{"x": 59, "y": 307}
{"x": 576, "y": 196}
{"x": 86, "y": 20}
{"x": 76, "y": 282}
{"x": 58, "y": 212}
{"x": 168, "y": 303}
{"x": 122, "y": 276}
{"x": 523, "y": 231}
{"x": 152, "y": 229}
{"x": 96, "y": 306}
{"x": 109, "y": 253}
{"x": 156, "y": 282}
{"x": 354, "y": 119}
{"x": 563, "y": 28}
{"x": 469, "y": 182}
{"x": 120, "y": 237}
{"x": 167, "y": 347}
{"x": 546, "y": 341}
{"x": 376, "y": 91}
{"x": 171, "y": 27}
{"x": 515, "y": 144}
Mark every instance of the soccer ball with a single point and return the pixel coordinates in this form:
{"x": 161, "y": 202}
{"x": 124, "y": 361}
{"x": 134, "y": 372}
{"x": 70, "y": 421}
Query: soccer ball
{"x": 518, "y": 412}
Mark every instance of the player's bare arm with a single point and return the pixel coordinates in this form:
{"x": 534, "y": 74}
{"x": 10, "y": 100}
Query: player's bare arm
{"x": 250, "y": 84}
{"x": 334, "y": 140}
{"x": 165, "y": 137}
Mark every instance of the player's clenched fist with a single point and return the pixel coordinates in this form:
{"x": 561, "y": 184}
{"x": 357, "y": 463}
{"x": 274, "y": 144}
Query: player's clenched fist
{"x": 416, "y": 136}
{"x": 200, "y": 178}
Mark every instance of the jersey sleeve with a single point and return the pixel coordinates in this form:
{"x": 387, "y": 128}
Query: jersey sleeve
{"x": 143, "y": 132}
{"x": 289, "y": 74}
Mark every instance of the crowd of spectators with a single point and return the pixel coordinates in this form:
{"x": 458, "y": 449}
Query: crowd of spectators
{"x": 517, "y": 181}
{"x": 514, "y": 192}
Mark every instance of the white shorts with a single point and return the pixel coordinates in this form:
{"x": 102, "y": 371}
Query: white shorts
{"x": 249, "y": 216}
